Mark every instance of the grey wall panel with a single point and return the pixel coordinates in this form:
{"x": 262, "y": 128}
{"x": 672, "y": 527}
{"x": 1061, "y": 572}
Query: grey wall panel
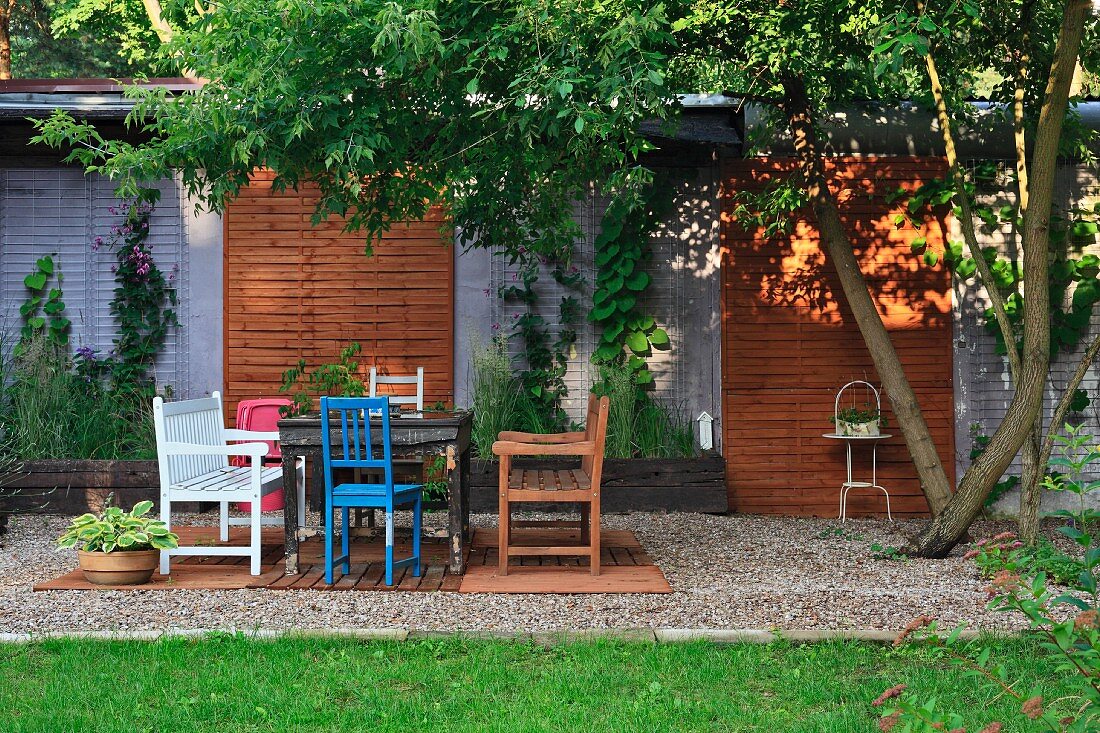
{"x": 684, "y": 298}
{"x": 60, "y": 211}
{"x": 204, "y": 289}
{"x": 983, "y": 387}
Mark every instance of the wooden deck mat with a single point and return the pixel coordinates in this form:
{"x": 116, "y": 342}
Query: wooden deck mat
{"x": 626, "y": 567}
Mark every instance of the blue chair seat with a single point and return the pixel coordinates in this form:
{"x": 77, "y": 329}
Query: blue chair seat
{"x": 376, "y": 490}
{"x": 357, "y": 449}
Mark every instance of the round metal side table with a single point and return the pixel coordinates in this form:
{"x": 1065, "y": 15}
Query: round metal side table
{"x": 850, "y": 483}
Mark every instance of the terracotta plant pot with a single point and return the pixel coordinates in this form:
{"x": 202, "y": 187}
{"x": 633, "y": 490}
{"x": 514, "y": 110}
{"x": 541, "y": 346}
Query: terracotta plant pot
{"x": 120, "y": 567}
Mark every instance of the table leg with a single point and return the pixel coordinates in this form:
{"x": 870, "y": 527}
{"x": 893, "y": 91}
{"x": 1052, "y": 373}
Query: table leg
{"x": 455, "y": 529}
{"x": 465, "y": 478}
{"x": 290, "y": 513}
{"x": 316, "y": 481}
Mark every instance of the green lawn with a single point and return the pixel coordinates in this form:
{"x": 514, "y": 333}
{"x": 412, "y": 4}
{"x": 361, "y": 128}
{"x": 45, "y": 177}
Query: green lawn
{"x": 226, "y": 684}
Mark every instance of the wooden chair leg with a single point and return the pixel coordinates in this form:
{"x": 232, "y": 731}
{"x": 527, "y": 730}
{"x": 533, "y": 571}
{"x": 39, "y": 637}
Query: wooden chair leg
{"x": 329, "y": 529}
{"x": 417, "y": 511}
{"x": 345, "y": 540}
{"x": 255, "y": 536}
{"x": 166, "y": 517}
{"x": 594, "y": 532}
{"x": 505, "y": 524}
{"x": 586, "y": 523}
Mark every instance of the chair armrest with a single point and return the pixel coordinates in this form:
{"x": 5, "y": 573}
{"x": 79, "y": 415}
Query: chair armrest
{"x": 512, "y": 448}
{"x": 519, "y": 437}
{"x": 256, "y": 450}
{"x": 250, "y": 435}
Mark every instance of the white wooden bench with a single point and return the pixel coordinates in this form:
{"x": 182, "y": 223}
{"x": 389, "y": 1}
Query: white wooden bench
{"x": 193, "y": 451}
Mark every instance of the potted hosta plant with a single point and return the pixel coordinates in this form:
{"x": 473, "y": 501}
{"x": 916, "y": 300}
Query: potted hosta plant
{"x": 858, "y": 421}
{"x": 118, "y": 547}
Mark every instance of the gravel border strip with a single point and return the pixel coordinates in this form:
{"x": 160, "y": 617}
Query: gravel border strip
{"x": 550, "y": 638}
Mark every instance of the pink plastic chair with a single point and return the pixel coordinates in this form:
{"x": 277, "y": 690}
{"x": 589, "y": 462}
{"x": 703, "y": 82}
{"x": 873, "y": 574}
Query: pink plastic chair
{"x": 262, "y": 415}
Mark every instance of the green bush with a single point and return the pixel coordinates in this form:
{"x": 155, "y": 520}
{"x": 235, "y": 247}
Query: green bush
{"x": 51, "y": 412}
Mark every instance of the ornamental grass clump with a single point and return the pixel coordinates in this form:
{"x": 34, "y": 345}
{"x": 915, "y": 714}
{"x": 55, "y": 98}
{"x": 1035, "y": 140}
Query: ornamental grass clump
{"x": 496, "y": 394}
{"x": 53, "y": 408}
{"x": 638, "y": 426}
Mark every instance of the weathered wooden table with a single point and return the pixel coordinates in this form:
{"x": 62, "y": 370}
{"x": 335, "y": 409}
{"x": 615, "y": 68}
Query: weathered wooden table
{"x": 413, "y": 436}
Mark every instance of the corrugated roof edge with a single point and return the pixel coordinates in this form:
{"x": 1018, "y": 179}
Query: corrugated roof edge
{"x": 94, "y": 86}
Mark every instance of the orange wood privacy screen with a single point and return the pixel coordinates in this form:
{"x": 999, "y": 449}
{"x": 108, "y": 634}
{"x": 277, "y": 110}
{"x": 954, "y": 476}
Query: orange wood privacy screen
{"x": 294, "y": 291}
{"x": 790, "y": 341}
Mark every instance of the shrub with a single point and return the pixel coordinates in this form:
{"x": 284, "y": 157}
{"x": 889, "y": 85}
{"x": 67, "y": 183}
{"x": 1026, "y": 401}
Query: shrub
{"x": 1067, "y": 625}
{"x": 1006, "y": 552}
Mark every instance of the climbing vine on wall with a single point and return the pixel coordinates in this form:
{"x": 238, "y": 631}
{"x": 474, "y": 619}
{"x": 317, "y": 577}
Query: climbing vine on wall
{"x": 1071, "y": 231}
{"x": 43, "y": 311}
{"x": 545, "y": 358}
{"x": 1070, "y": 317}
{"x": 144, "y": 299}
{"x": 627, "y": 334}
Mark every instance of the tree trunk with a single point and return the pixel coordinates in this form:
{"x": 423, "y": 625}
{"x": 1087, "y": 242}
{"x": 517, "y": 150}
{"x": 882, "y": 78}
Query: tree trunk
{"x": 1031, "y": 495}
{"x": 947, "y": 527}
{"x": 6, "y": 9}
{"x": 838, "y": 245}
{"x": 160, "y": 26}
{"x": 1028, "y": 518}
{"x": 1031, "y": 489}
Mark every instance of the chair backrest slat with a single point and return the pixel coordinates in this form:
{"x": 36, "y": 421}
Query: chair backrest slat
{"x": 400, "y": 399}
{"x": 199, "y": 422}
{"x": 357, "y": 449}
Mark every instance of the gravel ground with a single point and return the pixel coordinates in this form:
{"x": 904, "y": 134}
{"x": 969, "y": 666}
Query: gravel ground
{"x": 727, "y": 572}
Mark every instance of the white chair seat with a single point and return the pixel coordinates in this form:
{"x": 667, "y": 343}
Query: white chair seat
{"x": 231, "y": 478}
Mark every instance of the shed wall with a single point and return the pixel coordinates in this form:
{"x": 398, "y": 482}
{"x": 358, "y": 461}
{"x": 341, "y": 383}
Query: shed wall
{"x": 293, "y": 290}
{"x": 59, "y": 211}
{"x": 790, "y": 342}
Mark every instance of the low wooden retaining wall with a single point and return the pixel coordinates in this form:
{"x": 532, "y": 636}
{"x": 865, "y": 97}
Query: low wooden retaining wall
{"x": 646, "y": 485}
{"x": 75, "y": 487}
{"x": 629, "y": 484}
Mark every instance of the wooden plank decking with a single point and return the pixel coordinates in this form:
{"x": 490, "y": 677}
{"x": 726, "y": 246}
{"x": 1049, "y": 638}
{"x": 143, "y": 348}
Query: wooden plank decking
{"x": 626, "y": 567}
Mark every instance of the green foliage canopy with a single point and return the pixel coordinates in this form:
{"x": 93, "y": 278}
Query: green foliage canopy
{"x": 502, "y": 111}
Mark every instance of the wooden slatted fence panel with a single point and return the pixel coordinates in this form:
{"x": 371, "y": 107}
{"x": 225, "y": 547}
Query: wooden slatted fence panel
{"x": 790, "y": 341}
{"x": 294, "y": 291}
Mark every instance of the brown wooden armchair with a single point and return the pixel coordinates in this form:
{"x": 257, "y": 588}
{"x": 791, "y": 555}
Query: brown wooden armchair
{"x": 578, "y": 486}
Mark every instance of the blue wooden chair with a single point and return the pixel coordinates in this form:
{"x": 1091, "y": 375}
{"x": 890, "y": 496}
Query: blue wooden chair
{"x": 357, "y": 448}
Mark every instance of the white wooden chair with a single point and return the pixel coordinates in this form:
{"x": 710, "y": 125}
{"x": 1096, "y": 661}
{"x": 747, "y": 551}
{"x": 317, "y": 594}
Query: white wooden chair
{"x": 396, "y": 399}
{"x": 193, "y": 450}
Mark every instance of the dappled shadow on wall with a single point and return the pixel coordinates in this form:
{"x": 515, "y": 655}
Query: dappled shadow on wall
{"x": 791, "y": 271}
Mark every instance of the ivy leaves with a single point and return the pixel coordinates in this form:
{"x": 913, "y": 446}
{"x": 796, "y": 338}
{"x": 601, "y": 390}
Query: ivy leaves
{"x": 621, "y": 252}
{"x": 1070, "y": 313}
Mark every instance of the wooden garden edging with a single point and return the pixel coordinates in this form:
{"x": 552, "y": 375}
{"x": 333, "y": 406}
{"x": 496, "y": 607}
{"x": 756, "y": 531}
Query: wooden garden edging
{"x": 635, "y": 484}
{"x": 629, "y": 484}
{"x": 77, "y": 486}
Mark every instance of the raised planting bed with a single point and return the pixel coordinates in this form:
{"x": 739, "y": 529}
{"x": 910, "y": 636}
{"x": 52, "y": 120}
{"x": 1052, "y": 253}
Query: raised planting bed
{"x": 629, "y": 484}
{"x": 78, "y": 486}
